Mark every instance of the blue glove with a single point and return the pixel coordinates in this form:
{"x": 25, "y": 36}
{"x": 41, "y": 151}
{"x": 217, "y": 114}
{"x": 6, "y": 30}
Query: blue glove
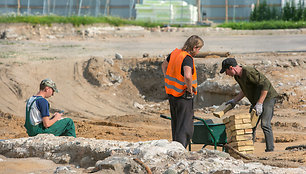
{"x": 232, "y": 102}
{"x": 258, "y": 108}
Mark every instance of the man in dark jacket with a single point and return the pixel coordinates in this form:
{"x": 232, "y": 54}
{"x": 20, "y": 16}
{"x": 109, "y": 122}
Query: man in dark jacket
{"x": 259, "y": 91}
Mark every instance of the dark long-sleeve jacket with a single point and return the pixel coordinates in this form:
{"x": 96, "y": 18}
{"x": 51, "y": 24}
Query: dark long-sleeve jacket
{"x": 252, "y": 82}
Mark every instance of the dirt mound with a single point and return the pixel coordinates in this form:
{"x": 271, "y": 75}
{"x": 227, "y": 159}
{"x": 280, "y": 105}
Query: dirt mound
{"x": 11, "y": 126}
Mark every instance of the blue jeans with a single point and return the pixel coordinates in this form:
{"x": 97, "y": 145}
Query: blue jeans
{"x": 266, "y": 117}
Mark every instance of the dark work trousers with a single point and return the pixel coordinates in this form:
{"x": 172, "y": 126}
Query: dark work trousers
{"x": 181, "y": 119}
{"x": 266, "y": 117}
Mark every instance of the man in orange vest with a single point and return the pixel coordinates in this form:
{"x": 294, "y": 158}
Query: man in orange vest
{"x": 181, "y": 85}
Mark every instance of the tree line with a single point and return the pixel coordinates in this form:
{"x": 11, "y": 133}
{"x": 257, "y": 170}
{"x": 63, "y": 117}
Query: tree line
{"x": 290, "y": 12}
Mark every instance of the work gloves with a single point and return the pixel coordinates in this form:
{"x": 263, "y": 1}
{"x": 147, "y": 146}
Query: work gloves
{"x": 232, "y": 102}
{"x": 258, "y": 108}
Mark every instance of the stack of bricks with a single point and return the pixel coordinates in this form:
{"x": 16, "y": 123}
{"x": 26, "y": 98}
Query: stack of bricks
{"x": 239, "y": 133}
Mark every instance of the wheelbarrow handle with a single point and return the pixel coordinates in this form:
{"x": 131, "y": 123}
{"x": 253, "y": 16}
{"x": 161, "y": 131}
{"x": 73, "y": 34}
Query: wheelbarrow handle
{"x": 163, "y": 116}
{"x": 194, "y": 117}
{"x": 197, "y": 118}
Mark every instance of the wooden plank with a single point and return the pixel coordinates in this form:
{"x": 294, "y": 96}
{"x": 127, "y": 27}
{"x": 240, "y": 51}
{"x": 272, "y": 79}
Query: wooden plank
{"x": 205, "y": 54}
{"x": 237, "y": 152}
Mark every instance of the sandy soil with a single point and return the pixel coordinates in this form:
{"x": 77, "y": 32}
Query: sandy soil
{"x": 126, "y": 100}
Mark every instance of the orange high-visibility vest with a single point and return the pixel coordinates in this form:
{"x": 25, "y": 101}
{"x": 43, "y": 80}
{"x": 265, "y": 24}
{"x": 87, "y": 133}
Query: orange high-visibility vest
{"x": 174, "y": 81}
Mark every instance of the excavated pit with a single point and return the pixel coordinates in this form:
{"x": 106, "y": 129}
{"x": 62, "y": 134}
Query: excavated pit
{"x": 144, "y": 78}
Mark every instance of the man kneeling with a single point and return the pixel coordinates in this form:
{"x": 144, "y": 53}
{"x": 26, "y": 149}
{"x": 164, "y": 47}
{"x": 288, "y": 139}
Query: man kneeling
{"x": 38, "y": 120}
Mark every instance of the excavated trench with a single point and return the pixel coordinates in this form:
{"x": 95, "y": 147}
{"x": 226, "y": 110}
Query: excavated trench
{"x": 148, "y": 79}
{"x": 145, "y": 77}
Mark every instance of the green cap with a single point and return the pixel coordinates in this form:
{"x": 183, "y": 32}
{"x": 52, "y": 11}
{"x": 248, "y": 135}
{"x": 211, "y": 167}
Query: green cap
{"x": 50, "y": 83}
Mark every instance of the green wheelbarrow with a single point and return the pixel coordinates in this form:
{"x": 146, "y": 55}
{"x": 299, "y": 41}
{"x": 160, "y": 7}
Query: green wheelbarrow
{"x": 207, "y": 133}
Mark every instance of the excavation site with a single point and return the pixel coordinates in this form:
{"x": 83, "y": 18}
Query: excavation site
{"x": 111, "y": 85}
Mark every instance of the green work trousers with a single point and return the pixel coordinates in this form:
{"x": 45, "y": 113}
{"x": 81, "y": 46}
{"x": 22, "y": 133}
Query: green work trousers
{"x": 63, "y": 127}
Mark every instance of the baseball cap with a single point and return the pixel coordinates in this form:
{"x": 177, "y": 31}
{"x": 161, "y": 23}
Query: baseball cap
{"x": 50, "y": 83}
{"x": 226, "y": 63}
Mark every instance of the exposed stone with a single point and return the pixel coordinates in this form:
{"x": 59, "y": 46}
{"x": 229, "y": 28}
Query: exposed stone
{"x": 145, "y": 55}
{"x": 161, "y": 156}
{"x": 118, "y": 56}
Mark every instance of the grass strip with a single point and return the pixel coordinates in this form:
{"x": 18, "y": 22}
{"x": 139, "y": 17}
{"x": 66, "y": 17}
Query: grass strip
{"x": 79, "y": 20}
{"x": 264, "y": 25}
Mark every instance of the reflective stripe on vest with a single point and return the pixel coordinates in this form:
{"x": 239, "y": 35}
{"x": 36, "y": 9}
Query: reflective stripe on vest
{"x": 174, "y": 81}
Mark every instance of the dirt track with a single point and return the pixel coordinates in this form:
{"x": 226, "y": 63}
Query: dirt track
{"x": 122, "y": 99}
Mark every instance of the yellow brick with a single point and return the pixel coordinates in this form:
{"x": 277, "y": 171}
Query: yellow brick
{"x": 245, "y": 148}
{"x": 242, "y": 143}
{"x": 239, "y": 121}
{"x": 246, "y": 120}
{"x": 238, "y": 132}
{"x": 241, "y": 126}
{"x": 249, "y": 152}
{"x": 241, "y": 137}
{"x": 241, "y": 116}
{"x": 248, "y": 131}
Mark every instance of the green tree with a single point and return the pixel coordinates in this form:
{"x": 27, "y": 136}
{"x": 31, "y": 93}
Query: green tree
{"x": 299, "y": 12}
{"x": 286, "y": 13}
{"x": 263, "y": 12}
{"x": 254, "y": 14}
{"x": 275, "y": 14}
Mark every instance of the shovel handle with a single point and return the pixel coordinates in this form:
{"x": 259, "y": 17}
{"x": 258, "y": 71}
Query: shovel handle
{"x": 194, "y": 117}
{"x": 163, "y": 116}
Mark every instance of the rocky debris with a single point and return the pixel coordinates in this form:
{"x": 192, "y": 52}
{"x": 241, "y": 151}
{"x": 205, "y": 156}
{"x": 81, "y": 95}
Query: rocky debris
{"x": 139, "y": 106}
{"x": 9, "y": 34}
{"x": 209, "y": 89}
{"x": 102, "y": 74}
{"x": 213, "y": 86}
{"x": 160, "y": 156}
{"x": 118, "y": 56}
{"x": 145, "y": 55}
{"x": 63, "y": 169}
